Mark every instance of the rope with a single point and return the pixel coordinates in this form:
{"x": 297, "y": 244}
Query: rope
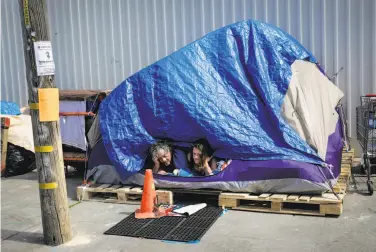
{"x": 328, "y": 180}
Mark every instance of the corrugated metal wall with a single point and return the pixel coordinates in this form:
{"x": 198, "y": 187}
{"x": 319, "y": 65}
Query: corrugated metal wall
{"x": 99, "y": 43}
{"x": 13, "y": 79}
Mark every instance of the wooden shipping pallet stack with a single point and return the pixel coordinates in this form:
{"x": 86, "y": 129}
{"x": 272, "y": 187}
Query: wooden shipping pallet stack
{"x": 320, "y": 205}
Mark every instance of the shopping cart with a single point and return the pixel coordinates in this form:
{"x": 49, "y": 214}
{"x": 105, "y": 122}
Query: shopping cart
{"x": 366, "y": 134}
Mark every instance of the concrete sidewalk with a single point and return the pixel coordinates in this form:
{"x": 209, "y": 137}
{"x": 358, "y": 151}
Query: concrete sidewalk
{"x": 21, "y": 230}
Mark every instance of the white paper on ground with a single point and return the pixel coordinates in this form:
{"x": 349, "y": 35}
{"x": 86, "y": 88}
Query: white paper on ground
{"x": 191, "y": 209}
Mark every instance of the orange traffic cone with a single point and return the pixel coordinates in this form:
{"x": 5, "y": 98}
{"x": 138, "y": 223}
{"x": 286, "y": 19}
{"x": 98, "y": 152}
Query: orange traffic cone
{"x": 148, "y": 207}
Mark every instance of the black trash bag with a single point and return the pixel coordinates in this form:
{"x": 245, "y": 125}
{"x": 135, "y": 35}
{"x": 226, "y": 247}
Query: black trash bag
{"x": 19, "y": 161}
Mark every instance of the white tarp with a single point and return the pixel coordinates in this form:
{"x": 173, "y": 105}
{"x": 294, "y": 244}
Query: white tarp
{"x": 309, "y": 105}
{"x": 20, "y": 131}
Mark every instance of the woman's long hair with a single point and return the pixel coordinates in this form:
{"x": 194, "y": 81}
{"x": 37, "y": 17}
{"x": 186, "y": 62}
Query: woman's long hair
{"x": 204, "y": 154}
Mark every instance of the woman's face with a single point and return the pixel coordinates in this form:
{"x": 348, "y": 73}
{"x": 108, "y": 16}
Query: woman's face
{"x": 164, "y": 157}
{"x": 196, "y": 155}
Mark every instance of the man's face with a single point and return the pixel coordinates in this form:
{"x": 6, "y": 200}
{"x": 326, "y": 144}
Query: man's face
{"x": 164, "y": 157}
{"x": 196, "y": 155}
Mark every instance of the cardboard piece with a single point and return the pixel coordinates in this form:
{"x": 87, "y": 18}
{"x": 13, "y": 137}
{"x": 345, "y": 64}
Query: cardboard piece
{"x": 48, "y": 104}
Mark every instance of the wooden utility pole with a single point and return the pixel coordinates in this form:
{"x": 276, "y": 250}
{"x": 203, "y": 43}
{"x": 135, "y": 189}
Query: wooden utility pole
{"x": 47, "y": 139}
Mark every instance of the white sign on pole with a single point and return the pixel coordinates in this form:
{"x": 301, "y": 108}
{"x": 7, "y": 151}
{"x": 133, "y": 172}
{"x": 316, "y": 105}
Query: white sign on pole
{"x": 43, "y": 58}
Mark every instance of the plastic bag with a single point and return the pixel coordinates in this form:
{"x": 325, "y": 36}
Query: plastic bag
{"x": 19, "y": 161}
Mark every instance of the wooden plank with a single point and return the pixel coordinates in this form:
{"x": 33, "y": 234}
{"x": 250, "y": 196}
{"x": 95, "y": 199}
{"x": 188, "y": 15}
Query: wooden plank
{"x": 347, "y": 166}
{"x": 113, "y": 188}
{"x": 91, "y": 188}
{"x": 345, "y": 170}
{"x": 305, "y": 198}
{"x": 343, "y": 187}
{"x": 252, "y": 197}
{"x": 84, "y": 193}
{"x": 332, "y": 196}
{"x": 348, "y": 173}
{"x": 136, "y": 190}
{"x": 122, "y": 196}
{"x": 276, "y": 206}
{"x": 348, "y": 151}
{"x": 124, "y": 189}
{"x": 264, "y": 196}
{"x": 293, "y": 197}
{"x": 278, "y": 197}
{"x": 328, "y": 198}
{"x": 347, "y": 154}
{"x": 235, "y": 195}
{"x": 225, "y": 202}
{"x": 101, "y": 187}
{"x": 347, "y": 160}
{"x": 342, "y": 179}
{"x": 283, "y": 211}
{"x": 92, "y": 185}
{"x": 80, "y": 193}
{"x": 323, "y": 200}
{"x": 331, "y": 209}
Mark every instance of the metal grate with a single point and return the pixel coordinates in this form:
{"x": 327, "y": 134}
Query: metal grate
{"x": 168, "y": 228}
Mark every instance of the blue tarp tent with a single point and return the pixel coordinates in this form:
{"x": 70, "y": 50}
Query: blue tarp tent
{"x": 228, "y": 87}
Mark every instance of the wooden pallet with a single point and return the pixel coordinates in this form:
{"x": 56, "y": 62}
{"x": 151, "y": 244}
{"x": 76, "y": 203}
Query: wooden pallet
{"x": 343, "y": 179}
{"x": 347, "y": 157}
{"x": 320, "y": 205}
{"x": 344, "y": 176}
{"x": 118, "y": 194}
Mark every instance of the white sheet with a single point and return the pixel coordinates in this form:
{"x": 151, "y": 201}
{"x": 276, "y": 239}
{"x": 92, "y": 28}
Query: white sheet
{"x": 309, "y": 105}
{"x": 20, "y": 131}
